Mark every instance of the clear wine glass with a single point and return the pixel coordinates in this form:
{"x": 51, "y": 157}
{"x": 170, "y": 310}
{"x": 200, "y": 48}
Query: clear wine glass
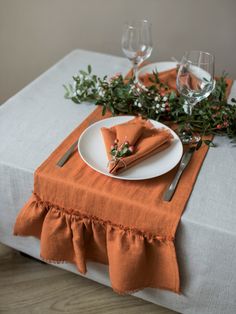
{"x": 137, "y": 43}
{"x": 195, "y": 81}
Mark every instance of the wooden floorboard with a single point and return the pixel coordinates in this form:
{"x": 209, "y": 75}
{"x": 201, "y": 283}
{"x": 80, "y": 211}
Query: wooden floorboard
{"x": 28, "y": 286}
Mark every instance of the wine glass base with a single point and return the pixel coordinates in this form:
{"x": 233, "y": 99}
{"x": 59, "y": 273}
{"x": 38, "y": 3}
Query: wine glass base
{"x": 189, "y": 138}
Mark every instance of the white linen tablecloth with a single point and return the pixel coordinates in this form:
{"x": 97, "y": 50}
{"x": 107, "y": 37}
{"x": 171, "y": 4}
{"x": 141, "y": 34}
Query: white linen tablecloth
{"x": 37, "y": 119}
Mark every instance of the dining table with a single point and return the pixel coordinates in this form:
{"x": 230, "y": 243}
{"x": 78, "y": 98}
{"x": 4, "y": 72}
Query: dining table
{"x": 38, "y": 118}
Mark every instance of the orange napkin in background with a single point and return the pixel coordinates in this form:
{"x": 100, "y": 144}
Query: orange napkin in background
{"x": 169, "y": 78}
{"x": 139, "y": 133}
{"x": 166, "y": 77}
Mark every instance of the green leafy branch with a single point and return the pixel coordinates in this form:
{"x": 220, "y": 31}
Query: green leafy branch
{"x": 121, "y": 96}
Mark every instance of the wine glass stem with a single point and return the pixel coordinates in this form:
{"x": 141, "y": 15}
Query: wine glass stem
{"x": 190, "y": 110}
{"x": 191, "y": 104}
{"x": 135, "y": 70}
{"x": 187, "y": 136}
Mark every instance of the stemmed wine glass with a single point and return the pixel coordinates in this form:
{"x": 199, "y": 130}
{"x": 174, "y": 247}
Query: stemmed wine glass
{"x": 137, "y": 43}
{"x": 195, "y": 81}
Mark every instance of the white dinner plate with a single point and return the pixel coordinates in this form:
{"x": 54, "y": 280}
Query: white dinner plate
{"x": 92, "y": 150}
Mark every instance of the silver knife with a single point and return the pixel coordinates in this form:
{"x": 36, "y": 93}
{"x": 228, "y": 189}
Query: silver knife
{"x": 183, "y": 164}
{"x": 69, "y": 152}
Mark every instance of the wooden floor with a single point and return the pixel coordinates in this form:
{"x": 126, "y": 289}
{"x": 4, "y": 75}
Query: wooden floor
{"x": 28, "y": 286}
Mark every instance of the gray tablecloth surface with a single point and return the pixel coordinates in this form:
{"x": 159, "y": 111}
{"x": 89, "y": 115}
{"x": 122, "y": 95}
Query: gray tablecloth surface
{"x": 35, "y": 121}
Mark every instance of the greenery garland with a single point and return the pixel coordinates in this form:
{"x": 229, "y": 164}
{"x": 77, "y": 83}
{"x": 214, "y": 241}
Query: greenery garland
{"x": 119, "y": 95}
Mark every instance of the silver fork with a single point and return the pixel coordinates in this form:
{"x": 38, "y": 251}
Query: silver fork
{"x": 64, "y": 158}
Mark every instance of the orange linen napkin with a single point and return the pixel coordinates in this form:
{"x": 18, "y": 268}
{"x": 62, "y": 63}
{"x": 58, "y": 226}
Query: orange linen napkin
{"x": 169, "y": 78}
{"x": 166, "y": 77}
{"x": 139, "y": 134}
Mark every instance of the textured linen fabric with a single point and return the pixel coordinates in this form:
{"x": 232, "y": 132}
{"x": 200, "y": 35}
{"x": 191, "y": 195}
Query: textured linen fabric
{"x": 36, "y": 120}
{"x": 80, "y": 214}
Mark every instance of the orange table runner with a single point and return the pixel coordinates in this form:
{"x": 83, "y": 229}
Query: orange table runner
{"x": 80, "y": 214}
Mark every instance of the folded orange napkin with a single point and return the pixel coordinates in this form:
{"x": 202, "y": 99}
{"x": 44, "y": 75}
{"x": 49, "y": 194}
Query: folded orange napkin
{"x": 169, "y": 78}
{"x": 137, "y": 138}
{"x": 166, "y": 77}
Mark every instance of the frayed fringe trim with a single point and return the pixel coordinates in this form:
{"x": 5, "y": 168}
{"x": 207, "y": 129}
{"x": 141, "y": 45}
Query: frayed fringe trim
{"x": 74, "y": 214}
{"x": 120, "y": 292}
{"x": 52, "y": 261}
{"x": 132, "y": 291}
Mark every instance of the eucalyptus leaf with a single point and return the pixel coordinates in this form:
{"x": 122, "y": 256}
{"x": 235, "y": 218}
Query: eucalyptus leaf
{"x": 83, "y": 73}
